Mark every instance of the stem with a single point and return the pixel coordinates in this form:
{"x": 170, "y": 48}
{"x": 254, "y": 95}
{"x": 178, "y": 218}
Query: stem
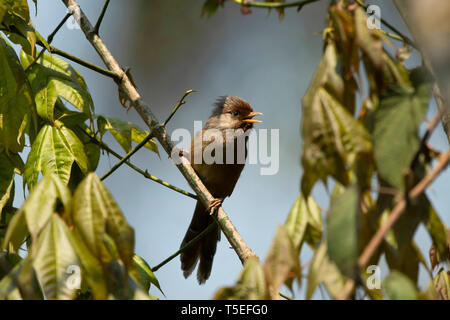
{"x": 273, "y": 4}
{"x": 145, "y": 173}
{"x": 146, "y": 139}
{"x": 49, "y": 40}
{"x": 390, "y": 26}
{"x": 187, "y": 246}
{"x": 100, "y": 18}
{"x": 398, "y": 210}
{"x": 130, "y": 92}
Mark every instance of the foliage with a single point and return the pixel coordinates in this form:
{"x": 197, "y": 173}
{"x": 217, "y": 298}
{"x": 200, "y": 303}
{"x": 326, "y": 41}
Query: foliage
{"x": 372, "y": 154}
{"x": 78, "y": 242}
{"x": 79, "y": 245}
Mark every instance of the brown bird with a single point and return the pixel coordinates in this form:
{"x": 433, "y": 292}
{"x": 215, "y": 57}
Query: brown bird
{"x": 230, "y": 115}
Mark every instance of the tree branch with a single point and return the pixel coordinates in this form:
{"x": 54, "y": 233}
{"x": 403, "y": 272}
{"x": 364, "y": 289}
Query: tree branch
{"x": 145, "y": 173}
{"x": 270, "y": 5}
{"x": 236, "y": 241}
{"x": 398, "y": 210}
{"x": 100, "y": 18}
{"x": 146, "y": 139}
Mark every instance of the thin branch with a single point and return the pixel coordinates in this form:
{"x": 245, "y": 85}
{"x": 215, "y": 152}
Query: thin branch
{"x": 186, "y": 246}
{"x": 285, "y": 296}
{"x": 129, "y": 90}
{"x": 270, "y": 5}
{"x": 146, "y": 139}
{"x": 398, "y": 210}
{"x": 49, "y": 40}
{"x": 145, "y": 173}
{"x": 100, "y": 18}
{"x": 390, "y": 26}
{"x": 177, "y": 106}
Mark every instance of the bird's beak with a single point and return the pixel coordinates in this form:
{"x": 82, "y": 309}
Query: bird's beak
{"x": 251, "y": 115}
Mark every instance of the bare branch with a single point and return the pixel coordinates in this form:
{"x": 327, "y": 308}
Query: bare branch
{"x": 235, "y": 239}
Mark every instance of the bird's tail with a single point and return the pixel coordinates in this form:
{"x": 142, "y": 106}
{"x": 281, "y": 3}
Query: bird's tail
{"x": 202, "y": 250}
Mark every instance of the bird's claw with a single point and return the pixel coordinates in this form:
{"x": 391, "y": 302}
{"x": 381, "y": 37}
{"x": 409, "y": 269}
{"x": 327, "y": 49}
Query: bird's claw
{"x": 214, "y": 205}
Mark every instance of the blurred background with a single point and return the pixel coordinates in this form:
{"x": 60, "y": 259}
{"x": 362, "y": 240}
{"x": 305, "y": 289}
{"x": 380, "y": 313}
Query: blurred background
{"x": 170, "y": 49}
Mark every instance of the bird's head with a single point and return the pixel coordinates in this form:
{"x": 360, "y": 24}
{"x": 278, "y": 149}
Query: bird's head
{"x": 232, "y": 113}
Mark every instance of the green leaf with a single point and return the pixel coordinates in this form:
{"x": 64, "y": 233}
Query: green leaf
{"x": 399, "y": 287}
{"x": 16, "y": 232}
{"x": 322, "y": 270}
{"x": 55, "y": 150}
{"x": 145, "y": 274}
{"x": 51, "y": 78}
{"x": 95, "y": 213}
{"x": 24, "y": 35}
{"x": 396, "y": 130}
{"x": 93, "y": 272}
{"x": 210, "y": 7}
{"x": 42, "y": 203}
{"x": 16, "y": 103}
{"x": 6, "y": 180}
{"x": 332, "y": 137}
{"x": 21, "y": 283}
{"x": 282, "y": 261}
{"x": 343, "y": 221}
{"x": 304, "y": 222}
{"x": 18, "y": 7}
{"x": 442, "y": 284}
{"x": 251, "y": 284}
{"x": 52, "y": 256}
{"x": 124, "y": 132}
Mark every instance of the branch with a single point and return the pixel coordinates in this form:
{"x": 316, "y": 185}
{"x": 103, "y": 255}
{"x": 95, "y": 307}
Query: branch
{"x": 147, "y": 138}
{"x": 398, "y": 210}
{"x": 205, "y": 197}
{"x": 270, "y": 5}
{"x": 390, "y": 26}
{"x": 145, "y": 173}
{"x": 186, "y": 246}
{"x": 49, "y": 40}
{"x": 100, "y": 18}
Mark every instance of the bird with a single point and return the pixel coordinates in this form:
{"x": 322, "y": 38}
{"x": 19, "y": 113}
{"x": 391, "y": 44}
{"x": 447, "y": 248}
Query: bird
{"x": 229, "y": 114}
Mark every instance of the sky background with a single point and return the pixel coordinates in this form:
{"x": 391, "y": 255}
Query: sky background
{"x": 170, "y": 49}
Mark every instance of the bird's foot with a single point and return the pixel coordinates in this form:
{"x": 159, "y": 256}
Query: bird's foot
{"x": 214, "y": 205}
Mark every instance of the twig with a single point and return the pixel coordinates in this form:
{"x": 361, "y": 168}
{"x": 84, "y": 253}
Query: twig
{"x": 387, "y": 24}
{"x": 49, "y": 40}
{"x": 100, "y": 17}
{"x": 146, "y": 139}
{"x": 187, "y": 246}
{"x": 177, "y": 106}
{"x": 273, "y": 4}
{"x": 129, "y": 90}
{"x": 285, "y": 296}
{"x": 398, "y": 210}
{"x": 145, "y": 173}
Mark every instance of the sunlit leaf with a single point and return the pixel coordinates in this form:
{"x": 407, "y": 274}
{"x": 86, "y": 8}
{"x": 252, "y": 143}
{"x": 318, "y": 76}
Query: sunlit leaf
{"x": 95, "y": 213}
{"x": 332, "y": 137}
{"x": 322, "y": 270}
{"x": 42, "y": 202}
{"x": 251, "y": 284}
{"x": 52, "y": 256}
{"x": 124, "y": 132}
{"x": 16, "y": 103}
{"x": 51, "y": 78}
{"x": 282, "y": 261}
{"x": 304, "y": 222}
{"x": 145, "y": 273}
{"x": 55, "y": 150}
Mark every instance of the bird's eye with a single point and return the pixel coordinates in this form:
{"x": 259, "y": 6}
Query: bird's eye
{"x": 235, "y": 113}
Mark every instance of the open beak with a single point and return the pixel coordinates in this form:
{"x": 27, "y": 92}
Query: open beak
{"x": 251, "y": 115}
